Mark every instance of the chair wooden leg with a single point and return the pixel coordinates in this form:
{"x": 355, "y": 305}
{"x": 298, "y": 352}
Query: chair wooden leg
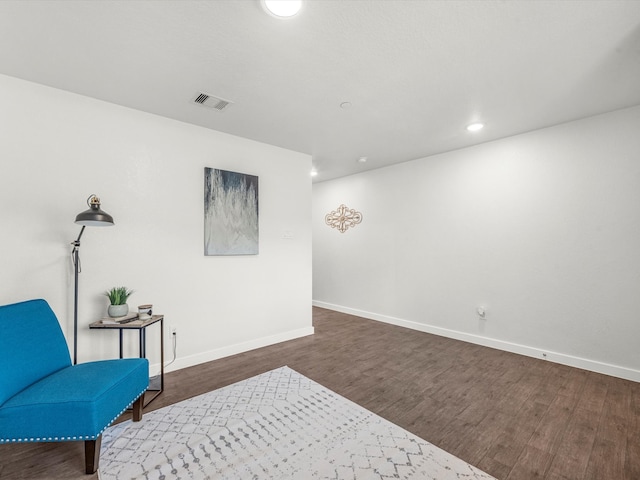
{"x": 92, "y": 447}
{"x": 137, "y": 408}
{"x": 92, "y": 454}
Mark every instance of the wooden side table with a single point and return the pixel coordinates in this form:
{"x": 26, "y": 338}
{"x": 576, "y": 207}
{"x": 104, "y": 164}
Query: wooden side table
{"x": 155, "y": 385}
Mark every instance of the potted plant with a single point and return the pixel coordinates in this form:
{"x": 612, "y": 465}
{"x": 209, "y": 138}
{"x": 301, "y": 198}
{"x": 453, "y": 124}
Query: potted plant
{"x": 118, "y": 301}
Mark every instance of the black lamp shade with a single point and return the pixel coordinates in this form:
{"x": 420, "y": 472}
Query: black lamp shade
{"x": 94, "y": 217}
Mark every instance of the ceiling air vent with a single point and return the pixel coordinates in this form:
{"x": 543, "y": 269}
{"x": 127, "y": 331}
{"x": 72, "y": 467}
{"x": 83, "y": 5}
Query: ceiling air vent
{"x": 212, "y": 102}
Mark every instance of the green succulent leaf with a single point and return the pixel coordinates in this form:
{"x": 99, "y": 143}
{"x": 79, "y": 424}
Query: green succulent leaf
{"x": 118, "y": 295}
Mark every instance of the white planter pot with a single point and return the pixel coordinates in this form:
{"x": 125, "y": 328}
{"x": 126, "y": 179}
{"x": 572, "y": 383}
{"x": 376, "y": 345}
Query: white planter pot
{"x": 118, "y": 310}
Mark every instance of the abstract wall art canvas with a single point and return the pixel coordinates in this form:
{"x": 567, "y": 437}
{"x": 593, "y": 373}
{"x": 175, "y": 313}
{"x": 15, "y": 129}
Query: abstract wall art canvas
{"x": 230, "y": 213}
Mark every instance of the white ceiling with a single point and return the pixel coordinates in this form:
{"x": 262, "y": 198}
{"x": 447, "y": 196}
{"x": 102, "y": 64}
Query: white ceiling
{"x": 415, "y": 72}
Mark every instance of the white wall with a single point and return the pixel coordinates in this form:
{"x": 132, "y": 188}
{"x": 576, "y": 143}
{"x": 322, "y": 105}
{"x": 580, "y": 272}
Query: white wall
{"x": 543, "y": 229}
{"x": 57, "y": 148}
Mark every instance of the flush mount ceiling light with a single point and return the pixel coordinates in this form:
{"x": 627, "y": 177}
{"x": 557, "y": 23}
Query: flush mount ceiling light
{"x": 282, "y": 8}
{"x": 475, "y": 127}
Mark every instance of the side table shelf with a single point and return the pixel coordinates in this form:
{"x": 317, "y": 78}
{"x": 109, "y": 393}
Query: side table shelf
{"x": 156, "y": 385}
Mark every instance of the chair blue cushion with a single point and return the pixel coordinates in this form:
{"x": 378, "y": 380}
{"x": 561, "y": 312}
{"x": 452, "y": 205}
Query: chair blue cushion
{"x": 31, "y": 346}
{"x": 75, "y": 403}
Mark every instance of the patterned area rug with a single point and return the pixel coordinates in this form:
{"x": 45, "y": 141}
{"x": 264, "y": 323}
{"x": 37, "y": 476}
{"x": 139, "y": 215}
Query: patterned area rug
{"x": 278, "y": 425}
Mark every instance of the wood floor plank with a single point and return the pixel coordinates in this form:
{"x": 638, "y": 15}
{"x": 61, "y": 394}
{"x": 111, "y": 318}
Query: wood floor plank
{"x": 551, "y": 428}
{"x": 576, "y": 447}
{"x": 594, "y": 393}
{"x": 618, "y": 402}
{"x": 632, "y": 455}
{"x": 607, "y": 460}
{"x": 532, "y": 464}
{"x": 488, "y": 464}
{"x": 608, "y": 456}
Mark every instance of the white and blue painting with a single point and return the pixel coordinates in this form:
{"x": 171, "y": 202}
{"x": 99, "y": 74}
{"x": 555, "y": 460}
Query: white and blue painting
{"x": 230, "y": 213}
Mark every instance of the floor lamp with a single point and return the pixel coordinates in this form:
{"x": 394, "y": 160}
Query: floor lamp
{"x": 94, "y": 217}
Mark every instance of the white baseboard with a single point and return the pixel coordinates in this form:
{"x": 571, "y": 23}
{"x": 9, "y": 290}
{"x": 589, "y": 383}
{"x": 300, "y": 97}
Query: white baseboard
{"x": 556, "y": 357}
{"x": 191, "y": 360}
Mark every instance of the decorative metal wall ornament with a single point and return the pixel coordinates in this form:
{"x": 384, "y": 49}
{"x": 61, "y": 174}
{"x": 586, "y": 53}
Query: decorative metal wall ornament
{"x": 343, "y": 218}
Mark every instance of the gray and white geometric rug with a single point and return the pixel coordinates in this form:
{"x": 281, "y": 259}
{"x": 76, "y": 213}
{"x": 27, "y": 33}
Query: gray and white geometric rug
{"x": 278, "y": 425}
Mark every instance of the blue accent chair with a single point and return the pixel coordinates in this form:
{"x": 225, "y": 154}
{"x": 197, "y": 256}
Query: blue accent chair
{"x": 43, "y": 398}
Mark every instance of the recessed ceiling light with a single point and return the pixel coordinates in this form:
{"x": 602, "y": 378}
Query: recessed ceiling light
{"x": 314, "y": 173}
{"x": 345, "y": 105}
{"x": 474, "y": 127}
{"x": 282, "y": 8}
{"x": 362, "y": 160}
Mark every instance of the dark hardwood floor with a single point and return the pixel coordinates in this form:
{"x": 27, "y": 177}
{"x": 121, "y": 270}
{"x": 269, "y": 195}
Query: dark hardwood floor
{"x": 512, "y": 416}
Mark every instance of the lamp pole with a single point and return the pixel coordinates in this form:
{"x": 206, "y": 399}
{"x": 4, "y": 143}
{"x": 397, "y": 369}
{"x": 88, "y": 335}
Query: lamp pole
{"x": 96, "y": 218}
{"x": 76, "y": 264}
